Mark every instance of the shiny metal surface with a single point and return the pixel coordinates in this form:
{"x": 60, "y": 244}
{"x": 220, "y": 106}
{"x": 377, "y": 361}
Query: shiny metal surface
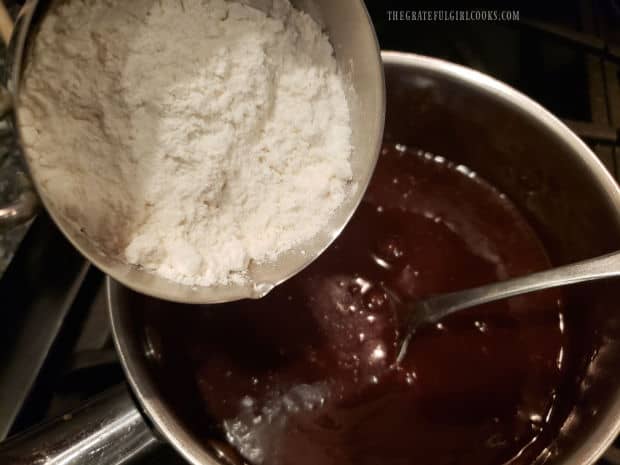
{"x": 107, "y": 431}
{"x": 132, "y": 354}
{"x": 436, "y": 308}
{"x": 24, "y": 207}
{"x": 518, "y": 146}
{"x": 21, "y": 210}
{"x": 356, "y": 50}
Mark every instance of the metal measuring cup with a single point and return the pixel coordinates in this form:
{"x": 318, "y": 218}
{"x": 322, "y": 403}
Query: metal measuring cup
{"x": 351, "y": 33}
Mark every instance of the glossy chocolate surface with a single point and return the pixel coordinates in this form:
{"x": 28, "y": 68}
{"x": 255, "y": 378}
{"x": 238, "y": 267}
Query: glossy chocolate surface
{"x": 307, "y": 376}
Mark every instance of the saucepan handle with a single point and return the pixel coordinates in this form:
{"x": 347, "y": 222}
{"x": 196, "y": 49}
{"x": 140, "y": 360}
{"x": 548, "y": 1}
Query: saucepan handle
{"x": 25, "y": 206}
{"x": 109, "y": 430}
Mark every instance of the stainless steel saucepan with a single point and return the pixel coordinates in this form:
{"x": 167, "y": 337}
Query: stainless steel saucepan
{"x": 508, "y": 139}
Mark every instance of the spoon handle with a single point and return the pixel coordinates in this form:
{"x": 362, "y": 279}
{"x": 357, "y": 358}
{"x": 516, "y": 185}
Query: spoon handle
{"x": 435, "y": 308}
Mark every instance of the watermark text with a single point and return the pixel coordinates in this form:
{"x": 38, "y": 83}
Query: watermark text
{"x": 453, "y": 15}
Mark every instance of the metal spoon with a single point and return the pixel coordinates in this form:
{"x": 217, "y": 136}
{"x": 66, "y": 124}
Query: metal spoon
{"x": 435, "y": 308}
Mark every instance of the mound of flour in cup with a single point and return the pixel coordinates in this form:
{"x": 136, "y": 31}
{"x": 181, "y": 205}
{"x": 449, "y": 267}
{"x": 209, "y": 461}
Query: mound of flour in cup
{"x": 189, "y": 137}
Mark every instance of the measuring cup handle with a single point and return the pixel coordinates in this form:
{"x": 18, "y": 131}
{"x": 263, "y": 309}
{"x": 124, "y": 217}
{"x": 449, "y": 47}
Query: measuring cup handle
{"x": 25, "y": 206}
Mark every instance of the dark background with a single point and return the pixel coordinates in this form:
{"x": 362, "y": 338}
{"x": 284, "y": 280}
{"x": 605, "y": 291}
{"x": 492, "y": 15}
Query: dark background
{"x": 550, "y": 70}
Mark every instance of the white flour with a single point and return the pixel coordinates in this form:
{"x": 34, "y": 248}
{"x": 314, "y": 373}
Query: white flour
{"x": 188, "y": 136}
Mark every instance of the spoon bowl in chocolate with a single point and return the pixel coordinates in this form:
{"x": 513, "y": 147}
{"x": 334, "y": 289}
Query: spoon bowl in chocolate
{"x": 436, "y": 308}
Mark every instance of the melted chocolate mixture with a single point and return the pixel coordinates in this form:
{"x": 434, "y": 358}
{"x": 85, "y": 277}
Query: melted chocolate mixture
{"x": 305, "y": 376}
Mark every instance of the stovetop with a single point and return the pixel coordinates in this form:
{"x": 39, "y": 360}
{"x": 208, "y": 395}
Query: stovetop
{"x": 55, "y": 342}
